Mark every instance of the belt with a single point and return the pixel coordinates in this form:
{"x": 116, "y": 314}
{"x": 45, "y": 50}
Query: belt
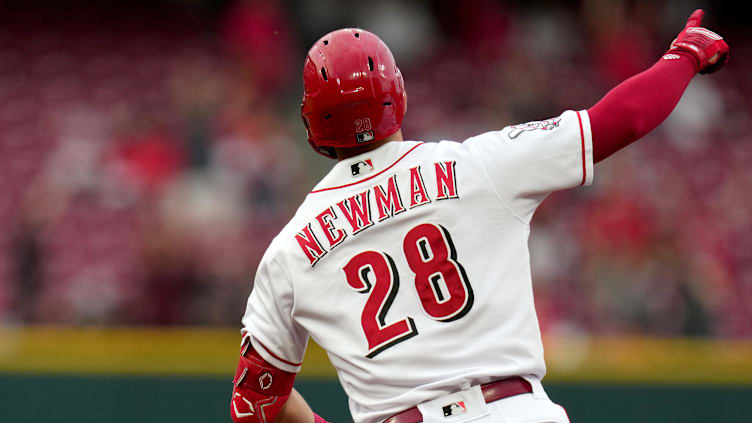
{"x": 492, "y": 391}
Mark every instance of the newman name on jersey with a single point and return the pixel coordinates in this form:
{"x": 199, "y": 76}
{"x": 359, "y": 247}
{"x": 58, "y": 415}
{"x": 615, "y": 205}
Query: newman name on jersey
{"x": 386, "y": 200}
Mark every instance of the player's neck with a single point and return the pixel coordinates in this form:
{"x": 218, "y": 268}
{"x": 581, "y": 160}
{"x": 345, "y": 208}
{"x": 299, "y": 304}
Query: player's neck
{"x": 345, "y": 153}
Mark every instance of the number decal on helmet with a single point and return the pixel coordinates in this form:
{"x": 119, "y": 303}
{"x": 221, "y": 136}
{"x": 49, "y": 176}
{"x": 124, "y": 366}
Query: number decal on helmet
{"x": 362, "y": 125}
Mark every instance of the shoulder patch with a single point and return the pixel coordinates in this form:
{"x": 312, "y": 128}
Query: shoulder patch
{"x": 545, "y": 125}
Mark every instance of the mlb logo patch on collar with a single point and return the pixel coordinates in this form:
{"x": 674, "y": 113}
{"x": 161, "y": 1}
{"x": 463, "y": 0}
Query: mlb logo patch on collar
{"x": 454, "y": 408}
{"x": 361, "y": 167}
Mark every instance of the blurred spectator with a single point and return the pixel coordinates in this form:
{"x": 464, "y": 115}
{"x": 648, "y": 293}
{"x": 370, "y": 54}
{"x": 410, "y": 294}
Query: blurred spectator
{"x": 257, "y": 33}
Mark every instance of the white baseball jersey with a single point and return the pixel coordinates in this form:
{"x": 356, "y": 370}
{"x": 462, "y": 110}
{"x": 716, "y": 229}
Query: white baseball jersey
{"x": 409, "y": 264}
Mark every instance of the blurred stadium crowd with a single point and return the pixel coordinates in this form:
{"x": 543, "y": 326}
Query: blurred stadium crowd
{"x": 149, "y": 151}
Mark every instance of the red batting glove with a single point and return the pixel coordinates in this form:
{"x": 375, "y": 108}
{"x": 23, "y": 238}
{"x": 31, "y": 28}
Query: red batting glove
{"x": 707, "y": 47}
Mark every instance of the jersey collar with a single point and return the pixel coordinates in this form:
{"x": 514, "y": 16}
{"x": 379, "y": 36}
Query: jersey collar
{"x": 373, "y": 163}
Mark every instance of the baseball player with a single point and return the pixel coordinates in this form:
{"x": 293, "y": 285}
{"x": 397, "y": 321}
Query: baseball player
{"x": 409, "y": 261}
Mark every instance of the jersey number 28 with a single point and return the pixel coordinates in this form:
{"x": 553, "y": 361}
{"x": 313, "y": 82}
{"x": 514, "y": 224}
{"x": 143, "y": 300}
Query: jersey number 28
{"x": 440, "y": 281}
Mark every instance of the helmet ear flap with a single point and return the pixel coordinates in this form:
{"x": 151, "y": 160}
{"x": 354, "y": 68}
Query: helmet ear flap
{"x": 323, "y": 150}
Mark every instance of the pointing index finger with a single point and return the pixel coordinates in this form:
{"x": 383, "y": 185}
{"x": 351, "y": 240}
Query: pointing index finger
{"x": 695, "y": 19}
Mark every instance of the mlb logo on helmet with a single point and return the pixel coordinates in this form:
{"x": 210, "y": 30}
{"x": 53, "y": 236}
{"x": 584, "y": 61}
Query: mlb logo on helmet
{"x": 363, "y": 166}
{"x": 364, "y": 136}
{"x": 454, "y": 408}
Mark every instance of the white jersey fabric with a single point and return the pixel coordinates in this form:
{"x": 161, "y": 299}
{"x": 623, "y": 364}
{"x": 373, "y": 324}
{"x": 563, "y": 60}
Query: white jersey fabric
{"x": 409, "y": 264}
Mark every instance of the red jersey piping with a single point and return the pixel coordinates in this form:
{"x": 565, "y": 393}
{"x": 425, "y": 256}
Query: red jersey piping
{"x": 278, "y": 357}
{"x": 370, "y": 177}
{"x": 582, "y": 141}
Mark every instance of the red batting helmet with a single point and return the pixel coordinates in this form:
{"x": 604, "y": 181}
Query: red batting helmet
{"x": 353, "y": 92}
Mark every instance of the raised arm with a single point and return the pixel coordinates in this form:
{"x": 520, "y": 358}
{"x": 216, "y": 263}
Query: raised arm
{"x": 639, "y": 104}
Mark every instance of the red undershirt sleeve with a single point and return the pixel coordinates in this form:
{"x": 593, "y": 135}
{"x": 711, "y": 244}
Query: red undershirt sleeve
{"x": 639, "y": 104}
